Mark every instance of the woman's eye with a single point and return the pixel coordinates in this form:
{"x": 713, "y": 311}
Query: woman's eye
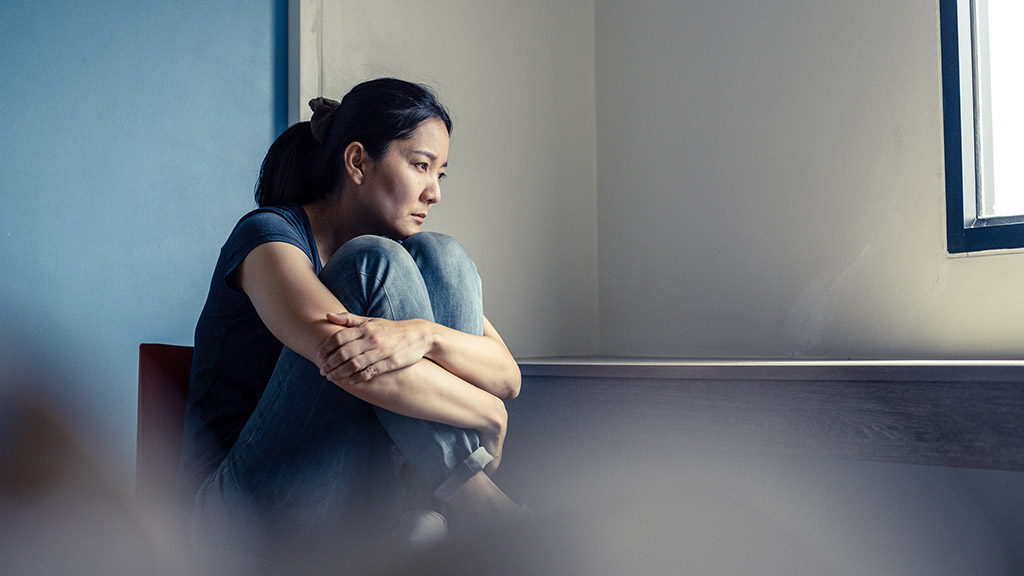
{"x": 441, "y": 176}
{"x": 421, "y": 165}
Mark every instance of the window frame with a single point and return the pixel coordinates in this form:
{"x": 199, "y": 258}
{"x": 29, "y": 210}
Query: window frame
{"x": 965, "y": 232}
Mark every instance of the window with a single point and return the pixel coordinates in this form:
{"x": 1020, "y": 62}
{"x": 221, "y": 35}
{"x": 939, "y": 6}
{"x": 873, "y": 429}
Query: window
{"x": 982, "y": 54}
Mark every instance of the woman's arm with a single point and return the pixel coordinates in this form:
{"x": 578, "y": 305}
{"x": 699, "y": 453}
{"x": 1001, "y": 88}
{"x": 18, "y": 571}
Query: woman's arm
{"x": 280, "y": 281}
{"x": 483, "y": 361}
{"x": 368, "y": 347}
{"x": 426, "y": 388}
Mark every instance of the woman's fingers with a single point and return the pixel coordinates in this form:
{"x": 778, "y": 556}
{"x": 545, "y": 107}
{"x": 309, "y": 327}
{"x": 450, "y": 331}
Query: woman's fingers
{"x": 370, "y": 365}
{"x": 352, "y": 362}
{"x": 335, "y": 341}
{"x": 339, "y": 318}
{"x": 364, "y": 374}
{"x": 350, "y": 358}
{"x": 493, "y": 443}
{"x": 339, "y": 338}
{"x": 346, "y": 318}
{"x": 382, "y": 366}
{"x": 370, "y": 347}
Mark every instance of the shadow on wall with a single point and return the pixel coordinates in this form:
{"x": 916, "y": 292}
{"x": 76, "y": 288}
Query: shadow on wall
{"x": 614, "y": 510}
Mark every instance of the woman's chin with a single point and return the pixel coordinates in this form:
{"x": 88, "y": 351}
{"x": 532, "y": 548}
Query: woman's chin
{"x": 409, "y": 232}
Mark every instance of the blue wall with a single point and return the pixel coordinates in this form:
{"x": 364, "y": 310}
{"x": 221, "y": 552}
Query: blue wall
{"x": 131, "y": 137}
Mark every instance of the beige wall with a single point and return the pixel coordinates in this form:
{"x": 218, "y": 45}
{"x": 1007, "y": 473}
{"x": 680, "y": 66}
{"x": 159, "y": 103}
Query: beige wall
{"x": 518, "y": 78}
{"x": 770, "y": 184}
{"x": 766, "y": 179}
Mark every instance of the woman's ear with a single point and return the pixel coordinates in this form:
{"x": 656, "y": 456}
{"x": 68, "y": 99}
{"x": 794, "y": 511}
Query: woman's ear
{"x": 356, "y": 162}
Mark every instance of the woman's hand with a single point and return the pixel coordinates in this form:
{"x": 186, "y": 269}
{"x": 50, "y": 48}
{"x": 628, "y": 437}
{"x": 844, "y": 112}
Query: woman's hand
{"x": 368, "y": 347}
{"x": 493, "y": 442}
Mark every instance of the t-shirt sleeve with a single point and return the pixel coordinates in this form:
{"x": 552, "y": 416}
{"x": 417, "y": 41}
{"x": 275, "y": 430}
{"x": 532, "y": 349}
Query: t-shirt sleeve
{"x": 259, "y": 227}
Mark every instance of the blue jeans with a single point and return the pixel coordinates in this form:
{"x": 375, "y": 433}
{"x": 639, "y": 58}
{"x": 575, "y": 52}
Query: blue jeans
{"x": 313, "y": 460}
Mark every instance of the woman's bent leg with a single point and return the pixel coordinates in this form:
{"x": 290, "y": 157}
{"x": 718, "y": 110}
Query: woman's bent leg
{"x": 374, "y": 276}
{"x": 456, "y": 297}
{"x": 311, "y": 466}
{"x": 451, "y": 279}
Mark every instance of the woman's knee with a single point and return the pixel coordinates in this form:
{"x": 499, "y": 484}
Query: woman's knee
{"x": 442, "y": 254}
{"x": 370, "y": 245}
{"x": 367, "y": 254}
{"x": 366, "y": 265}
{"x": 435, "y": 245}
{"x": 451, "y": 278}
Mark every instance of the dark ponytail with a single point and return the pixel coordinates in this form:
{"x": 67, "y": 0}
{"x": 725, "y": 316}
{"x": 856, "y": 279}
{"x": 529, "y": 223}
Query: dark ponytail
{"x": 284, "y": 175}
{"x": 301, "y": 166}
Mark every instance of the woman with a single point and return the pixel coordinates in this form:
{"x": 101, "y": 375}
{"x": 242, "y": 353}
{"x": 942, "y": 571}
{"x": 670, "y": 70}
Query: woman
{"x": 343, "y": 355}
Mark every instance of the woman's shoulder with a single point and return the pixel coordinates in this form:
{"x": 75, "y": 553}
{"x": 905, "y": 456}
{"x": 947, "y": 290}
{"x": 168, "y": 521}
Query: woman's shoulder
{"x": 274, "y": 216}
{"x": 268, "y": 224}
{"x": 288, "y": 221}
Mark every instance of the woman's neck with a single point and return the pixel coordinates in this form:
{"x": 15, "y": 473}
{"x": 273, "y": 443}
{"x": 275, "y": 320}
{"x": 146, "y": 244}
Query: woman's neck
{"x": 326, "y": 220}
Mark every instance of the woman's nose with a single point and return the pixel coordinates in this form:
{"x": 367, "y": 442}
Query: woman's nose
{"x": 433, "y": 192}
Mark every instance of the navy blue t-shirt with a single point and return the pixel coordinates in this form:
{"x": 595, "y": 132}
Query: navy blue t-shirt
{"x": 235, "y": 353}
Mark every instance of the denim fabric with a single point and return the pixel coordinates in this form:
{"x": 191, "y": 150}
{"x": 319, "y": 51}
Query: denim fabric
{"x": 313, "y": 458}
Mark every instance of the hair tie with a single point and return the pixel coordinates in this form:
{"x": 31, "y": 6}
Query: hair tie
{"x": 323, "y": 117}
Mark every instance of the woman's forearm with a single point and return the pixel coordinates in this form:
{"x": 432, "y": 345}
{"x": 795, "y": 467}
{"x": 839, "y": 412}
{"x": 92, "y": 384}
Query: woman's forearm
{"x": 483, "y": 361}
{"x": 429, "y": 392}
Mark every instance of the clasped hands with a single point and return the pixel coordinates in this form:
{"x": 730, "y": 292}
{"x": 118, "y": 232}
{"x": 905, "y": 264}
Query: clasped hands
{"x": 367, "y": 347}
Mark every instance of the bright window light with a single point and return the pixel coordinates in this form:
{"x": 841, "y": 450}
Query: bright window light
{"x": 983, "y": 123}
{"x": 1000, "y": 102}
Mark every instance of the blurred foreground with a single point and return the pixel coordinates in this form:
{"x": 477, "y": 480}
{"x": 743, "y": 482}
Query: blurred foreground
{"x": 599, "y": 510}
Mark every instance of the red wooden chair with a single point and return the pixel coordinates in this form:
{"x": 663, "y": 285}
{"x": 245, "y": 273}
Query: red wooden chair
{"x": 163, "y": 387}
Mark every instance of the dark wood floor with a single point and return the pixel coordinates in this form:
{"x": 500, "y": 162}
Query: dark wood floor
{"x": 947, "y": 414}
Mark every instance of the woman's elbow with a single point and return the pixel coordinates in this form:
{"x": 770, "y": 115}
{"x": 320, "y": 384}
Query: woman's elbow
{"x": 513, "y": 383}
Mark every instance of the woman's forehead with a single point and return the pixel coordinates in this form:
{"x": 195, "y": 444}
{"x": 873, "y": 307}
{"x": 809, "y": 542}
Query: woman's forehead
{"x": 430, "y": 139}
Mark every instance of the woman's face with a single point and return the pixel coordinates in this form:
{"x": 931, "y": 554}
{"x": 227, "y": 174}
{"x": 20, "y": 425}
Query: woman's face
{"x": 400, "y": 187}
